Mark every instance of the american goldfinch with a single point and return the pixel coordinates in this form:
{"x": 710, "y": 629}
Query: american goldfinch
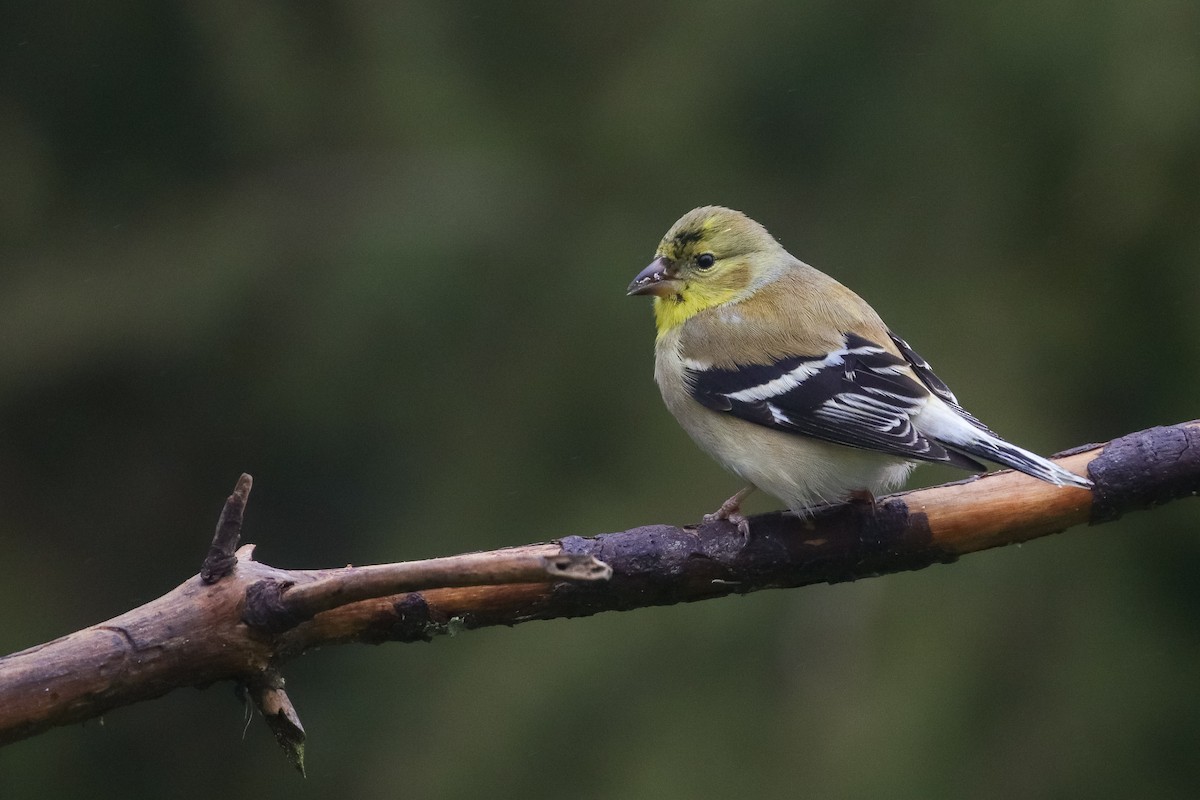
{"x": 791, "y": 381}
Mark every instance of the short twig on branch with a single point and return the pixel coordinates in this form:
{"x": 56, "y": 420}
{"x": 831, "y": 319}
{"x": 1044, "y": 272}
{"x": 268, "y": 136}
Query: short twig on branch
{"x": 268, "y": 695}
{"x": 241, "y": 620}
{"x": 220, "y": 559}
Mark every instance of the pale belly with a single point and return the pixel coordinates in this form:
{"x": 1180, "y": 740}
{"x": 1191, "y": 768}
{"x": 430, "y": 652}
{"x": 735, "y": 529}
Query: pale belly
{"x": 798, "y": 470}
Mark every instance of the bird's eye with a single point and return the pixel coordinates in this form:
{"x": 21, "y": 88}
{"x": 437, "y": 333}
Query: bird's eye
{"x": 705, "y": 260}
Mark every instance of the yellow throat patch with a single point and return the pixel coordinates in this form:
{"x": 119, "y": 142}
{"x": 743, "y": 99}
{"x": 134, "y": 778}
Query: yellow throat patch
{"x": 674, "y": 310}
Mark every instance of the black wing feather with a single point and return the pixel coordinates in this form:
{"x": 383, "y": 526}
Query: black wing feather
{"x": 860, "y": 396}
{"x": 936, "y": 385}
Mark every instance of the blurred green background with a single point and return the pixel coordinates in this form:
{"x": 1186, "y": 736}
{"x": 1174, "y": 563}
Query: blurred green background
{"x": 375, "y": 254}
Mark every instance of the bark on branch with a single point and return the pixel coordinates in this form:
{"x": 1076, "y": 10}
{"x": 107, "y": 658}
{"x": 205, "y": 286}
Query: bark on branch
{"x": 241, "y": 620}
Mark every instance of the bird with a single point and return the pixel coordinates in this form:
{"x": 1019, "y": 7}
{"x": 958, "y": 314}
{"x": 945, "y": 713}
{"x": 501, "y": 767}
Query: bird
{"x": 792, "y": 381}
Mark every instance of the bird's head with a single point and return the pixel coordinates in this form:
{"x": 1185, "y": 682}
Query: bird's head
{"x": 710, "y": 257}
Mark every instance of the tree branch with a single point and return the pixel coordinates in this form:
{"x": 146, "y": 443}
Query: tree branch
{"x": 277, "y": 606}
{"x": 241, "y": 620}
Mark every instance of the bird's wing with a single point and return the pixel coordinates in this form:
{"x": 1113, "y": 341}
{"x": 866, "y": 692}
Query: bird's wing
{"x": 925, "y": 374}
{"x": 860, "y": 395}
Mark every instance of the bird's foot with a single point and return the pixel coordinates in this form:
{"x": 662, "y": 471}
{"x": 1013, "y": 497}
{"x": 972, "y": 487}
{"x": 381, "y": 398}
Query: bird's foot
{"x": 862, "y": 499}
{"x": 731, "y": 510}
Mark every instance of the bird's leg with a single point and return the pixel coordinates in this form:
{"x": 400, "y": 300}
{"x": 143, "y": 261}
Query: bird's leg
{"x": 731, "y": 510}
{"x": 863, "y": 499}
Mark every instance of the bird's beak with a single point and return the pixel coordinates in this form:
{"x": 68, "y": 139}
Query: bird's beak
{"x": 658, "y": 279}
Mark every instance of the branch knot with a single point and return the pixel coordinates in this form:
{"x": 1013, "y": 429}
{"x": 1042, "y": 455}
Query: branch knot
{"x": 266, "y": 610}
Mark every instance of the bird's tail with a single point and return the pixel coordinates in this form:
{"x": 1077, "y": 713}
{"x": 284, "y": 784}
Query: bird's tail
{"x": 954, "y": 428}
{"x": 993, "y": 448}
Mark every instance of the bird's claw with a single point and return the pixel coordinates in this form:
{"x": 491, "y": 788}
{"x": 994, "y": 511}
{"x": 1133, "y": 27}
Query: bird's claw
{"x": 736, "y": 517}
{"x": 731, "y": 511}
{"x": 863, "y": 499}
